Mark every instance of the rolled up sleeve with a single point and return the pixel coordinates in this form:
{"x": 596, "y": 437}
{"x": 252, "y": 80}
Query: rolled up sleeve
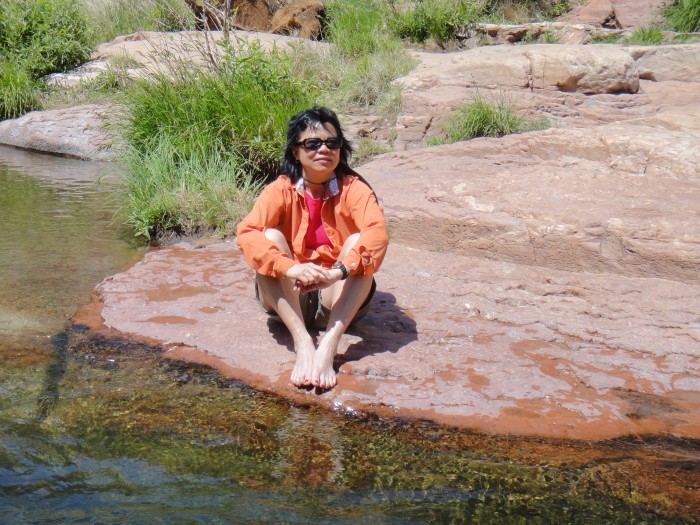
{"x": 367, "y": 255}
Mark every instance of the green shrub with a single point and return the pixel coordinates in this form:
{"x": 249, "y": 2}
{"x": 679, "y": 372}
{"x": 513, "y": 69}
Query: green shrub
{"x": 684, "y": 16}
{"x": 645, "y": 36}
{"x": 112, "y": 18}
{"x": 19, "y": 92}
{"x": 357, "y": 27}
{"x": 438, "y": 20}
{"x": 480, "y": 118}
{"x": 364, "y": 58}
{"x": 231, "y": 115}
{"x": 167, "y": 191}
{"x": 44, "y": 36}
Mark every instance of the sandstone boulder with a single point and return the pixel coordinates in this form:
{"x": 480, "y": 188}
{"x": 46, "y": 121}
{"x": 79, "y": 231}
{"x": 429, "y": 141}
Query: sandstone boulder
{"x": 301, "y": 19}
{"x": 254, "y": 15}
{"x": 673, "y": 62}
{"x": 78, "y": 131}
{"x": 582, "y": 69}
{"x": 602, "y": 210}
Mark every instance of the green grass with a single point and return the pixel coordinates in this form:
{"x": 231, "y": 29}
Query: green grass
{"x": 437, "y": 20}
{"x": 19, "y": 92}
{"x": 483, "y": 118}
{"x": 645, "y": 36}
{"x": 356, "y": 73}
{"x": 231, "y": 115}
{"x": 605, "y": 40}
{"x": 112, "y": 18}
{"x": 683, "y": 16}
{"x": 167, "y": 191}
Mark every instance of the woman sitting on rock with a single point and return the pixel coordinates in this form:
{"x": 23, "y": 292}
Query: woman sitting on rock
{"x": 315, "y": 237}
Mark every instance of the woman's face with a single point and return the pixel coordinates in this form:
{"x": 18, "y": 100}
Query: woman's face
{"x": 320, "y": 163}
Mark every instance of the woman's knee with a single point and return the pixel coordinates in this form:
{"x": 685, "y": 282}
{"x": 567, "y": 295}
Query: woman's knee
{"x": 277, "y": 237}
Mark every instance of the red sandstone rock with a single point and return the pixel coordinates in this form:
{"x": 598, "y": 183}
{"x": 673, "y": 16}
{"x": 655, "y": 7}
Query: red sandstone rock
{"x": 470, "y": 342}
{"x": 299, "y": 19}
{"x": 616, "y": 13}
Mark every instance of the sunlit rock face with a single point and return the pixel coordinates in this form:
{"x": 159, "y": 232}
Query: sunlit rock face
{"x": 617, "y": 13}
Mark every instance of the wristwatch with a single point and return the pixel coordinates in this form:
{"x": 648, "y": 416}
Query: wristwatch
{"x": 340, "y": 266}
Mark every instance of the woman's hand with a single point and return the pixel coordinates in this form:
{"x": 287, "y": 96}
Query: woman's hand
{"x": 308, "y": 277}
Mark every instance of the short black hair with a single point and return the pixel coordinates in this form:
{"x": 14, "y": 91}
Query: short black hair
{"x": 298, "y": 124}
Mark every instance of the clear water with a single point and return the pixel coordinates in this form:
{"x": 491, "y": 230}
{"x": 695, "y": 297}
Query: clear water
{"x": 105, "y": 431}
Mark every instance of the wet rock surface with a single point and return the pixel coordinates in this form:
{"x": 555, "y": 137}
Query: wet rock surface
{"x": 463, "y": 341}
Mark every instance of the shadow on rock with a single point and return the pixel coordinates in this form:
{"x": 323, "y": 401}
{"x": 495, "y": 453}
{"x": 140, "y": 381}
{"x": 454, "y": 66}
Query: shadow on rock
{"x": 385, "y": 328}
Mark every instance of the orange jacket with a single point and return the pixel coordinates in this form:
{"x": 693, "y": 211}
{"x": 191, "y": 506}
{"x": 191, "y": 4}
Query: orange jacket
{"x": 282, "y": 206}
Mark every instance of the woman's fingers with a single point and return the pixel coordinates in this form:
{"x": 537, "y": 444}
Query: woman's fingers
{"x": 308, "y": 274}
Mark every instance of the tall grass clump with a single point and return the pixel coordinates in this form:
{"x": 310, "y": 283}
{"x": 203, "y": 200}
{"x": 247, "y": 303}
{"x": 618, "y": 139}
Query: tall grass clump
{"x": 233, "y": 113}
{"x": 683, "y": 16}
{"x": 645, "y": 36}
{"x": 168, "y": 191}
{"x": 483, "y": 118}
{"x": 356, "y": 73}
{"x": 112, "y": 18}
{"x": 438, "y": 20}
{"x": 19, "y": 92}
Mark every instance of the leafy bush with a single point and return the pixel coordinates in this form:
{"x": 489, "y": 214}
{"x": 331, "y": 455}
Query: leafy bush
{"x": 19, "y": 92}
{"x": 480, "y": 118}
{"x": 684, "y": 16}
{"x": 43, "y": 36}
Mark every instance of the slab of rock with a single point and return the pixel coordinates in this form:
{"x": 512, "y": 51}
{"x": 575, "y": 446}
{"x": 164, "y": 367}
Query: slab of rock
{"x": 663, "y": 63}
{"x": 533, "y": 80}
{"x": 617, "y": 198}
{"x": 628, "y": 14}
{"x": 582, "y": 69}
{"x": 77, "y": 131}
{"x": 466, "y": 342}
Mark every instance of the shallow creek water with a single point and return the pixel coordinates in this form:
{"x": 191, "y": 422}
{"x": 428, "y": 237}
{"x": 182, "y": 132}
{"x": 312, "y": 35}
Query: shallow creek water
{"x": 106, "y": 431}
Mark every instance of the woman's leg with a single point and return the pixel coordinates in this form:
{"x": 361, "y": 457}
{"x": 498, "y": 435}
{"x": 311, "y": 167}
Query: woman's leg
{"x": 344, "y": 299}
{"x": 279, "y": 295}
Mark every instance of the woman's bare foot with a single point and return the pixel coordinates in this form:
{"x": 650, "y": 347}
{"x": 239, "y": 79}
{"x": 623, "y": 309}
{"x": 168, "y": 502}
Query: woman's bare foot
{"x": 301, "y": 375}
{"x": 322, "y": 373}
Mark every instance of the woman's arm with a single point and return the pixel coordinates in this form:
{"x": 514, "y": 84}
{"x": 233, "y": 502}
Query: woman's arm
{"x": 367, "y": 255}
{"x": 269, "y": 211}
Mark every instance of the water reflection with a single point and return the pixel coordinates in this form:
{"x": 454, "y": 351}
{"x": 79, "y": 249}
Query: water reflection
{"x": 58, "y": 238}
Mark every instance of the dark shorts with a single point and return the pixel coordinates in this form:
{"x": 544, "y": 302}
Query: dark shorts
{"x": 315, "y": 314}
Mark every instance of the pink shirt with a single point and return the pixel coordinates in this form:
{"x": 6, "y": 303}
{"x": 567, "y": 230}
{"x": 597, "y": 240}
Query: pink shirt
{"x": 316, "y": 234}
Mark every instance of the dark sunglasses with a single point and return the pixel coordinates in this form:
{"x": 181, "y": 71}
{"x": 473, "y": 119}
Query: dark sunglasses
{"x": 315, "y": 144}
